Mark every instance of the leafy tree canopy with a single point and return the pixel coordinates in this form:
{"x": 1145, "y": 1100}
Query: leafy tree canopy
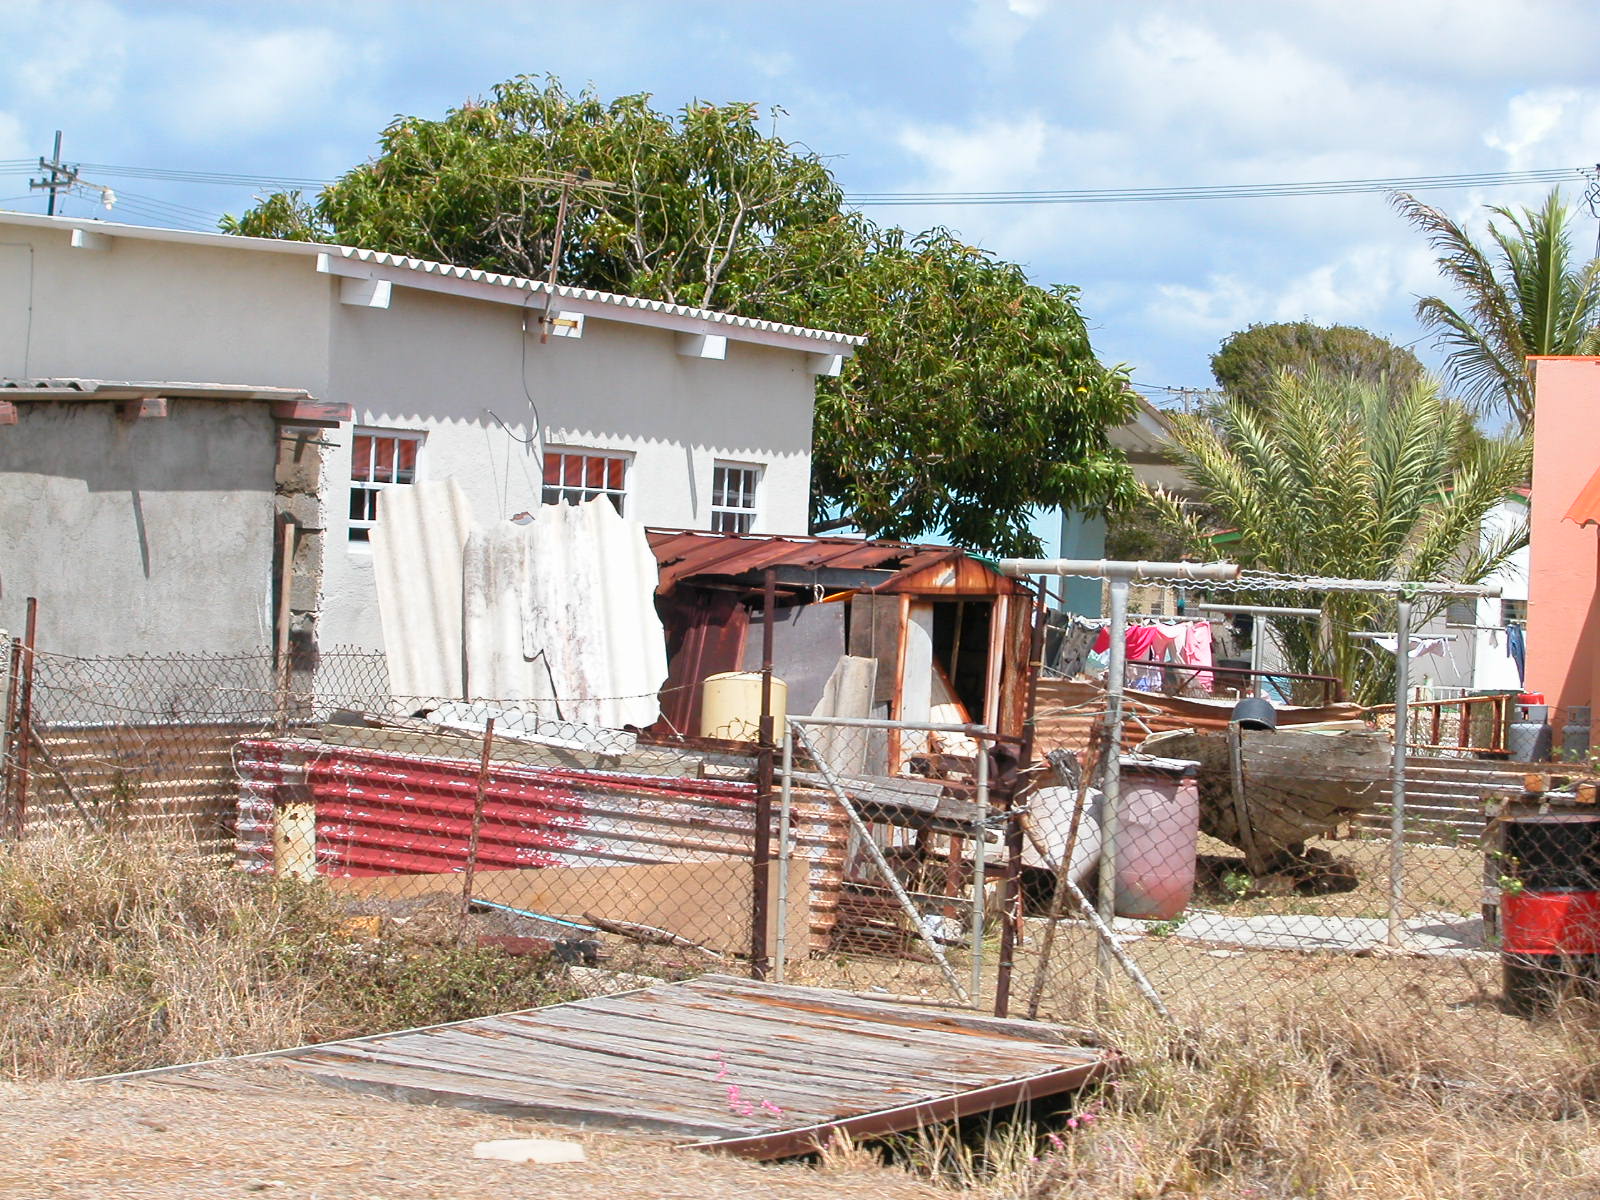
{"x": 1526, "y": 293}
{"x": 1337, "y": 476}
{"x": 977, "y": 396}
{"x": 1247, "y": 364}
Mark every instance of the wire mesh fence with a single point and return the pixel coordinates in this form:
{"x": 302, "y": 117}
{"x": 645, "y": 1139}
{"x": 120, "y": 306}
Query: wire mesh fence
{"x": 883, "y": 857}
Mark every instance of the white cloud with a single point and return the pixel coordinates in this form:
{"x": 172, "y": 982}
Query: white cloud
{"x": 243, "y": 85}
{"x": 13, "y": 141}
{"x": 1549, "y": 127}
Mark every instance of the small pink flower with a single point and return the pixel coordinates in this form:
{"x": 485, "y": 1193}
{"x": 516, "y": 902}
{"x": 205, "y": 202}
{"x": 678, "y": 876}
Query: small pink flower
{"x": 1055, "y": 1140}
{"x": 772, "y": 1108}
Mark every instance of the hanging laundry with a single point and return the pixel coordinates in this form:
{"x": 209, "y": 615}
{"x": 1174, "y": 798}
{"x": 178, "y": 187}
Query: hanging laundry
{"x": 1196, "y": 652}
{"x": 1516, "y": 647}
{"x": 1419, "y": 645}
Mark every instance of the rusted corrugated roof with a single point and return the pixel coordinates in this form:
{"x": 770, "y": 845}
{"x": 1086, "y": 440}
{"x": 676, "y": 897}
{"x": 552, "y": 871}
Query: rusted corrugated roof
{"x": 1585, "y": 509}
{"x": 685, "y": 553}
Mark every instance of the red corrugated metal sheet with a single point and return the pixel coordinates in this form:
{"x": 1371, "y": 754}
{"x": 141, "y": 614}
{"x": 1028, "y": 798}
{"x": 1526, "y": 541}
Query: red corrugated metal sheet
{"x": 683, "y": 554}
{"x": 380, "y": 813}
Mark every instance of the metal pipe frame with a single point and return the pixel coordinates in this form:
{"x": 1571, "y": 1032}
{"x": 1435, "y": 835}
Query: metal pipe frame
{"x": 785, "y": 801}
{"x": 1111, "y": 785}
{"x": 979, "y": 879}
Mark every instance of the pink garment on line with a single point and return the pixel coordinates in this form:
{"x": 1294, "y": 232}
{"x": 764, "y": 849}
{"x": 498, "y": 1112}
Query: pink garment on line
{"x": 1196, "y": 652}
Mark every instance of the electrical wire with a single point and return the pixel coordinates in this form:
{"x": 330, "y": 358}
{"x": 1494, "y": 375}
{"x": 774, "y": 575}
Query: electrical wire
{"x": 1248, "y": 191}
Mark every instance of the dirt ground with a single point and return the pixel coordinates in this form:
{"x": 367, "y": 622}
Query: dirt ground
{"x": 267, "y": 1131}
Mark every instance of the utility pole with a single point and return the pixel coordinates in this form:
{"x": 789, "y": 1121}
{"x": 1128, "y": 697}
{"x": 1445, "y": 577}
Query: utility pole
{"x": 1591, "y": 197}
{"x": 62, "y": 178}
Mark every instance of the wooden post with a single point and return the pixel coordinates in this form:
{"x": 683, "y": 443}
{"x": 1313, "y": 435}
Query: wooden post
{"x": 9, "y": 743}
{"x": 1012, "y": 908}
{"x": 477, "y": 823}
{"x": 23, "y": 746}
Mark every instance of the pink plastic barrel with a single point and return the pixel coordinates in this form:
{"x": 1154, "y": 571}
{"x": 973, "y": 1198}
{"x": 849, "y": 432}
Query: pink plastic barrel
{"x": 1157, "y": 828}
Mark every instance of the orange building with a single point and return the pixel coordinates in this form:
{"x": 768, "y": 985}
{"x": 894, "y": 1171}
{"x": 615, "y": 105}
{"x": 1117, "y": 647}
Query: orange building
{"x": 1563, "y": 636}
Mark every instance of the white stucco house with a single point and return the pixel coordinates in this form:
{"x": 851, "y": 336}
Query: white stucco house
{"x": 196, "y": 429}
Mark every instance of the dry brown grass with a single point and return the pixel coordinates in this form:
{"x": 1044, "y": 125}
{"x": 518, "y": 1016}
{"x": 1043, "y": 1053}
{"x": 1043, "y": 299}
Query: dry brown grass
{"x": 117, "y": 955}
{"x": 1309, "y": 1102}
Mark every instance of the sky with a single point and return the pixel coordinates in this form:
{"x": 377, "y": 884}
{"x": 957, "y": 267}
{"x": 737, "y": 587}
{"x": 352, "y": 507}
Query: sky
{"x": 936, "y": 95}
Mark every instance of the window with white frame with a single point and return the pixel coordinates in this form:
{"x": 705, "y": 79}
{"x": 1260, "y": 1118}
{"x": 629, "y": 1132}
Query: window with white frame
{"x": 1513, "y": 612}
{"x": 1462, "y": 610}
{"x": 380, "y": 459}
{"x": 573, "y": 476}
{"x": 733, "y": 497}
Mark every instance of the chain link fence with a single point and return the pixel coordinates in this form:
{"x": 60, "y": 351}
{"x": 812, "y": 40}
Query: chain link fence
{"x": 869, "y": 855}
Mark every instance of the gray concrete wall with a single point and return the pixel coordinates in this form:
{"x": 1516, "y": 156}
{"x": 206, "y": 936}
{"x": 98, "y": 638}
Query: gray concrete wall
{"x": 139, "y": 536}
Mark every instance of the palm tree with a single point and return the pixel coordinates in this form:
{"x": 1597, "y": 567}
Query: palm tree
{"x": 1528, "y": 293}
{"x": 1365, "y": 480}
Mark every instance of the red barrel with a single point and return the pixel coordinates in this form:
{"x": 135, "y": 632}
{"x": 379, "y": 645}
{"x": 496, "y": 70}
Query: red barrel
{"x": 1158, "y": 825}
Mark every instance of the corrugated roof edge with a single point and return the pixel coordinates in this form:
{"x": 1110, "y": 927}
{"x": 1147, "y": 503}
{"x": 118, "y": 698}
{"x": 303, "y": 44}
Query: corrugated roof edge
{"x": 423, "y": 266}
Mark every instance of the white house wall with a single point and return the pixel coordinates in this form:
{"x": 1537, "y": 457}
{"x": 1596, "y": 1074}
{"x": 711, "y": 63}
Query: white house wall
{"x": 430, "y": 362}
{"x": 158, "y": 311}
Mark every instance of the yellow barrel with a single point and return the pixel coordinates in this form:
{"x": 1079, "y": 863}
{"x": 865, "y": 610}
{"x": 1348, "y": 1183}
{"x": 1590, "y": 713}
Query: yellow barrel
{"x": 730, "y": 706}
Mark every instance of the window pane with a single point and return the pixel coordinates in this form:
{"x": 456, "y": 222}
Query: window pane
{"x": 383, "y": 460}
{"x": 406, "y": 467}
{"x": 572, "y": 469}
{"x": 361, "y": 457}
{"x": 614, "y": 476}
{"x": 594, "y": 472}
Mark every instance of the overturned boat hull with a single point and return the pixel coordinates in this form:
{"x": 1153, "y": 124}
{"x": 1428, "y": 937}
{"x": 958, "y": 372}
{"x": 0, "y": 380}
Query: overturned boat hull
{"x": 1268, "y": 792}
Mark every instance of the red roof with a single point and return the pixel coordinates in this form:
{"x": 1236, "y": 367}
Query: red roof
{"x": 685, "y": 553}
{"x": 1585, "y": 509}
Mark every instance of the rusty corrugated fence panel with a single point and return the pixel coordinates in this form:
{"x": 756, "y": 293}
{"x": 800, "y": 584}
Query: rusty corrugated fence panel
{"x": 1068, "y": 711}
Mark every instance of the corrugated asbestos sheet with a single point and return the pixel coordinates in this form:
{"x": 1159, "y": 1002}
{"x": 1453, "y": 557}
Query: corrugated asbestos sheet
{"x": 558, "y": 613}
{"x": 381, "y": 813}
{"x": 1068, "y": 711}
{"x": 729, "y": 1065}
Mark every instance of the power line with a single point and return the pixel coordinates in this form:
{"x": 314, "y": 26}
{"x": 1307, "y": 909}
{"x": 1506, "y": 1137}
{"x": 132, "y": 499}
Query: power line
{"x": 1243, "y": 191}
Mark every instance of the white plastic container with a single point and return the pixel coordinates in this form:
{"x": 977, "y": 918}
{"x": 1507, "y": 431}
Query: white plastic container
{"x": 730, "y": 706}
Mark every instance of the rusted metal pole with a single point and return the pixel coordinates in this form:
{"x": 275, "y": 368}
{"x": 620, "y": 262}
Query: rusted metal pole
{"x": 24, "y": 722}
{"x": 13, "y": 681}
{"x": 761, "y": 858}
{"x": 1013, "y": 903}
{"x": 477, "y": 824}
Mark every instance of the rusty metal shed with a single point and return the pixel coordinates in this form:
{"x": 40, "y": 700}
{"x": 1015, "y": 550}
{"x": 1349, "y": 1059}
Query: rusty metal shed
{"x": 842, "y": 596}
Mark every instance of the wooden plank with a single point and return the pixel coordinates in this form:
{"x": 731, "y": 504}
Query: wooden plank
{"x": 319, "y": 412}
{"x": 536, "y": 1102}
{"x": 793, "y": 1052}
{"x": 858, "y": 1044}
{"x": 927, "y": 1040}
{"x": 578, "y": 1071}
{"x": 881, "y": 1010}
{"x": 697, "y": 1049}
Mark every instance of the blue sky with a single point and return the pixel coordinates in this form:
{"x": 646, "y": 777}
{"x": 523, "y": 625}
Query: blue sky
{"x": 957, "y": 95}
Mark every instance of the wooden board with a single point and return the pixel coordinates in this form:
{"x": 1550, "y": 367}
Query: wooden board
{"x": 757, "y": 1069}
{"x": 707, "y": 902}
